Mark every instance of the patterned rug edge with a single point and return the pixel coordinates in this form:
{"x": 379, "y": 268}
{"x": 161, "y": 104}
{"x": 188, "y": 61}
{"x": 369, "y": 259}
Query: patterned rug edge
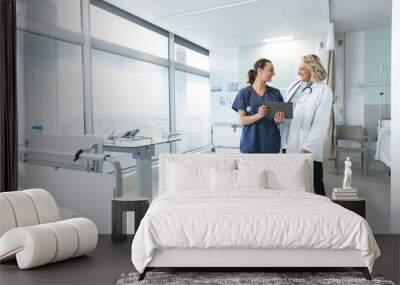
{"x": 268, "y": 278}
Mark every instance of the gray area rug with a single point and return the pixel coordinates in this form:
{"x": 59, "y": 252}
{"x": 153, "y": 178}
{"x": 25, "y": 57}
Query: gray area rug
{"x": 229, "y": 278}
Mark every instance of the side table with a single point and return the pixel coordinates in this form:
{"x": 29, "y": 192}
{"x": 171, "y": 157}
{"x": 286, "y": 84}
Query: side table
{"x": 139, "y": 205}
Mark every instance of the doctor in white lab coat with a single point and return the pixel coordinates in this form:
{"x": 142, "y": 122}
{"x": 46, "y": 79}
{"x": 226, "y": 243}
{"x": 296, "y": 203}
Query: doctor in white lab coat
{"x": 312, "y": 102}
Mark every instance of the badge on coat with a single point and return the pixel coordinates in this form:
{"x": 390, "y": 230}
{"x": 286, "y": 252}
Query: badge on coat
{"x": 248, "y": 109}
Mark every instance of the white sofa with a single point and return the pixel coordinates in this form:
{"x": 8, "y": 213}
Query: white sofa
{"x": 31, "y": 231}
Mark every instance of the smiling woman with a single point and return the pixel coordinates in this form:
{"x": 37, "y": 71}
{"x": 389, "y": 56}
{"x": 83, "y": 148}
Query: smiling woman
{"x": 312, "y": 99}
{"x": 260, "y": 134}
{"x": 311, "y": 69}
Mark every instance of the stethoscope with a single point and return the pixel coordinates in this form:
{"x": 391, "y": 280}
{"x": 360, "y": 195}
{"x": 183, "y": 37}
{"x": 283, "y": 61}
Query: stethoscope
{"x": 308, "y": 88}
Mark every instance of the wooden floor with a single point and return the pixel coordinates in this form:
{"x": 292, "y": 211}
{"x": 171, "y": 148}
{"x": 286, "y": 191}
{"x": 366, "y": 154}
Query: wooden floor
{"x": 110, "y": 260}
{"x": 102, "y": 266}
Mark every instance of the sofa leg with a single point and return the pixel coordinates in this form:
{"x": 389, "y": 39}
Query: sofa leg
{"x": 143, "y": 274}
{"x": 364, "y": 271}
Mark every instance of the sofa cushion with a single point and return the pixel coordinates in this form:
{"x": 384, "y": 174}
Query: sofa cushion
{"x": 27, "y": 208}
{"x": 45, "y": 205}
{"x": 23, "y": 208}
{"x": 7, "y": 220}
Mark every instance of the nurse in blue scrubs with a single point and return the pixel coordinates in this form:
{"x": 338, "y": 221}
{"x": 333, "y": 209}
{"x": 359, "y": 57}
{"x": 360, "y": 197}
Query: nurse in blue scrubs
{"x": 259, "y": 134}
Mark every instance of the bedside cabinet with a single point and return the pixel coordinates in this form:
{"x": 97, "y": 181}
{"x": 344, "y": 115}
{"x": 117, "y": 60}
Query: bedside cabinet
{"x": 139, "y": 205}
{"x": 358, "y": 206}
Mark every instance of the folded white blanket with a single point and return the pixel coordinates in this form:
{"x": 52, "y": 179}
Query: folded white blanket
{"x": 250, "y": 219}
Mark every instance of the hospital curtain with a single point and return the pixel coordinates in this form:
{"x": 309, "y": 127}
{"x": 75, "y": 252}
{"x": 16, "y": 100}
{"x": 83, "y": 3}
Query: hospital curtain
{"x": 330, "y": 143}
{"x": 8, "y": 98}
{"x": 330, "y": 147}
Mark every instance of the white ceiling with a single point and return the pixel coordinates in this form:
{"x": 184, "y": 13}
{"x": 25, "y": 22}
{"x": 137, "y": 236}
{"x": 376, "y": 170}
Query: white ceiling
{"x": 246, "y": 24}
{"x": 355, "y": 15}
{"x": 216, "y": 24}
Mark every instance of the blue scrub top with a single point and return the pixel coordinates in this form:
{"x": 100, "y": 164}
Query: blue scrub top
{"x": 262, "y": 136}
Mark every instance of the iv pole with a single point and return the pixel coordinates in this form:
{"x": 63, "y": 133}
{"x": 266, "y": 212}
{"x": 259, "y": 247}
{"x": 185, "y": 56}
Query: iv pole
{"x": 381, "y": 85}
{"x": 380, "y": 107}
{"x": 381, "y": 93}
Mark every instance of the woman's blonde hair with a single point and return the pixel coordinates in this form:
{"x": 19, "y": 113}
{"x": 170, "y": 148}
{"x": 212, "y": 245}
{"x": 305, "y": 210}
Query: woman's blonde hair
{"x": 313, "y": 63}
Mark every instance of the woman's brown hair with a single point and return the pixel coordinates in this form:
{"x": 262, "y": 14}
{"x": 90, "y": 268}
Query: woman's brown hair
{"x": 252, "y": 73}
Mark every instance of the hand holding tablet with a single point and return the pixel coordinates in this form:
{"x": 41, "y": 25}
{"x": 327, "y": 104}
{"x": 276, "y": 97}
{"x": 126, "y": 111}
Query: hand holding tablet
{"x": 275, "y": 107}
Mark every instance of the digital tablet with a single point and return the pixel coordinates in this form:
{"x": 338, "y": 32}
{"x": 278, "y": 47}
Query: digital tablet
{"x": 274, "y": 107}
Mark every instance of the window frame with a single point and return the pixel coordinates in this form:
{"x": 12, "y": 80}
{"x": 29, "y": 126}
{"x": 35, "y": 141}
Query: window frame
{"x": 87, "y": 42}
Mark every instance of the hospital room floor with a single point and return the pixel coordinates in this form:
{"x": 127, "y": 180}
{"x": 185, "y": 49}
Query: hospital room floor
{"x": 110, "y": 259}
{"x": 102, "y": 266}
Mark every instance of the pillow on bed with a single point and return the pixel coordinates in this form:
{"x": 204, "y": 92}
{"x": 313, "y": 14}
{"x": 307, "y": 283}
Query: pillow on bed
{"x": 290, "y": 175}
{"x": 251, "y": 178}
{"x": 184, "y": 175}
{"x": 293, "y": 178}
{"x": 225, "y": 179}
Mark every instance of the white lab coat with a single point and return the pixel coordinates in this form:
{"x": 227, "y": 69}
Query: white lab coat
{"x": 311, "y": 116}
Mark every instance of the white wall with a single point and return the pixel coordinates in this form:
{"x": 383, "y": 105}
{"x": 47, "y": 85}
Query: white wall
{"x": 224, "y": 68}
{"x": 354, "y": 71}
{"x": 340, "y": 79}
{"x": 395, "y": 183}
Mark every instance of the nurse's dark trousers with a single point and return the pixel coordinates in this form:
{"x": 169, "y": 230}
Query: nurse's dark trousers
{"x": 319, "y": 187}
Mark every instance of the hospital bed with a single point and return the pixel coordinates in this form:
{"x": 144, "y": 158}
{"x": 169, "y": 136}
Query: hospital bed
{"x": 383, "y": 152}
{"x": 225, "y": 137}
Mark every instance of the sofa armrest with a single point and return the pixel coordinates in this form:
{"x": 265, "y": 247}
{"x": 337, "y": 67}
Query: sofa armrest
{"x": 40, "y": 244}
{"x": 32, "y": 246}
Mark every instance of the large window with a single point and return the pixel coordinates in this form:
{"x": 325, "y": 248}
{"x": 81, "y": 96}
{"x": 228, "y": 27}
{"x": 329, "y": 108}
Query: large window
{"x": 100, "y": 69}
{"x": 50, "y": 84}
{"x": 192, "y": 97}
{"x": 126, "y": 33}
{"x": 128, "y": 94}
{"x": 60, "y": 13}
{"x": 191, "y": 58}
